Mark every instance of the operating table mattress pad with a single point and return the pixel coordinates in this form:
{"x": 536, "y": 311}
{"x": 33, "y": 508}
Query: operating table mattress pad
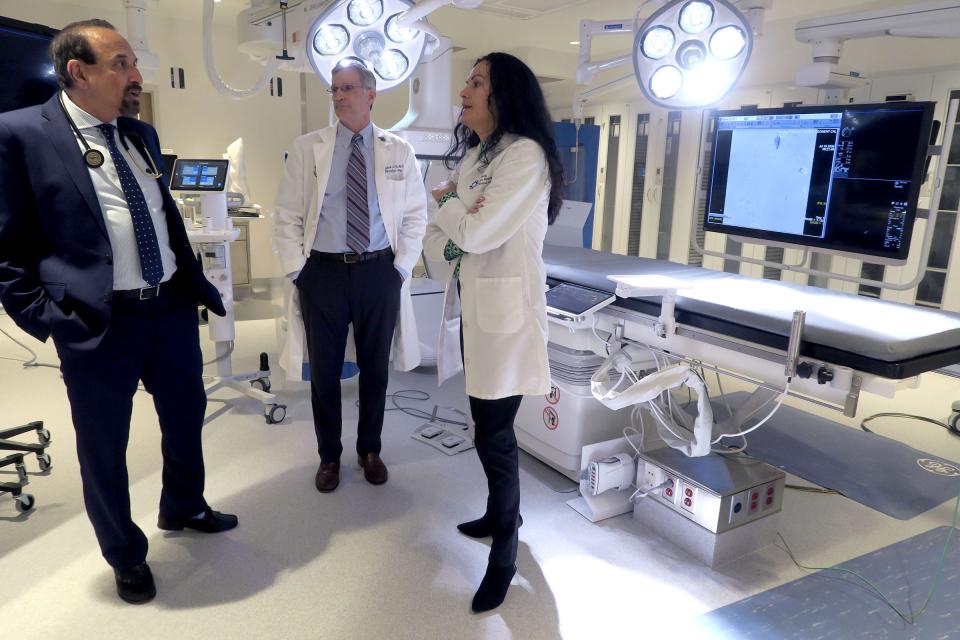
{"x": 888, "y": 339}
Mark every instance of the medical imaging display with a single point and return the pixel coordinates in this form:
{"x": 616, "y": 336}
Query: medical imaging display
{"x": 25, "y": 66}
{"x": 199, "y": 175}
{"x": 574, "y": 299}
{"x": 843, "y": 178}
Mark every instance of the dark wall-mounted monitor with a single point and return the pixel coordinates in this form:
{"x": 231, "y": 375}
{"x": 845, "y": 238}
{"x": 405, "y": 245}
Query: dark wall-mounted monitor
{"x": 838, "y": 178}
{"x": 25, "y": 67}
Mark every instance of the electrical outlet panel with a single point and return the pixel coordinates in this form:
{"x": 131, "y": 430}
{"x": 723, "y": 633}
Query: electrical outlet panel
{"x": 671, "y": 492}
{"x": 688, "y": 496}
{"x": 652, "y": 476}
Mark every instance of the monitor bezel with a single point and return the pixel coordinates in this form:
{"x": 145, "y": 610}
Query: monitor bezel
{"x": 198, "y": 188}
{"x": 771, "y": 238}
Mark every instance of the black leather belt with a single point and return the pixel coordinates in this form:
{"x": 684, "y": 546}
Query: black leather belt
{"x": 147, "y": 293}
{"x": 351, "y": 258}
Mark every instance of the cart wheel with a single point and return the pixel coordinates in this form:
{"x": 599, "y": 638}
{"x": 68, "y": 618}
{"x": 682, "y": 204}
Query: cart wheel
{"x": 275, "y": 413}
{"x": 44, "y": 435}
{"x": 45, "y": 461}
{"x": 261, "y": 383}
{"x": 25, "y": 502}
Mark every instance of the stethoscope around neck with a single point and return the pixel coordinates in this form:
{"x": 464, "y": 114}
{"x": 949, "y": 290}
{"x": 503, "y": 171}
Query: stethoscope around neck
{"x": 94, "y": 157}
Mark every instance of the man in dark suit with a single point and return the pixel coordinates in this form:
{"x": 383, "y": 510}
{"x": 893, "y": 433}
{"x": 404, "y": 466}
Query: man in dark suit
{"x": 93, "y": 252}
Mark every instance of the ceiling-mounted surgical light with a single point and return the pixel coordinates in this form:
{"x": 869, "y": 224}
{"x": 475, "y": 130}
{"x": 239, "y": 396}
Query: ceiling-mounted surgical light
{"x": 696, "y": 16}
{"x": 391, "y": 64}
{"x": 397, "y": 33}
{"x": 364, "y": 13}
{"x": 689, "y": 54}
{"x": 727, "y": 42}
{"x": 666, "y": 82}
{"x": 331, "y": 39}
{"x": 657, "y": 43}
{"x": 368, "y": 30}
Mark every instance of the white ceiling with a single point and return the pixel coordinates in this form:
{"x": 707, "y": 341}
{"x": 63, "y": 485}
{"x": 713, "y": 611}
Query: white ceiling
{"x": 544, "y": 40}
{"x": 554, "y": 25}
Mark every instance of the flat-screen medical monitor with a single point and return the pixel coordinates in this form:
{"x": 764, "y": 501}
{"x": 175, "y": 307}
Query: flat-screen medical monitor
{"x": 25, "y": 66}
{"x": 573, "y": 302}
{"x": 840, "y": 178}
{"x": 199, "y": 175}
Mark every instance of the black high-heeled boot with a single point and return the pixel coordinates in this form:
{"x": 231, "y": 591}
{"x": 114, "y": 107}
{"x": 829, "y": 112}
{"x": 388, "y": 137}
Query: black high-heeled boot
{"x": 493, "y": 588}
{"x": 480, "y": 528}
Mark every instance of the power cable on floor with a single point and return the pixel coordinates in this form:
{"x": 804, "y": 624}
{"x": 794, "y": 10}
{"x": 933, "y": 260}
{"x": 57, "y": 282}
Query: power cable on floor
{"x": 421, "y": 396}
{"x": 909, "y": 618}
{"x": 951, "y": 426}
{"x": 32, "y": 362}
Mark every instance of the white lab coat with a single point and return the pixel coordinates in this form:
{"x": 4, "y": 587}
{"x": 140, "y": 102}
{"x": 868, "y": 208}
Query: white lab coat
{"x": 403, "y": 206}
{"x": 502, "y": 277}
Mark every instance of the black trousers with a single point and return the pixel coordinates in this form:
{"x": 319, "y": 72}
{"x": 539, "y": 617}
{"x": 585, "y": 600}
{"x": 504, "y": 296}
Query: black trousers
{"x": 496, "y": 444}
{"x": 333, "y": 295}
{"x": 155, "y": 341}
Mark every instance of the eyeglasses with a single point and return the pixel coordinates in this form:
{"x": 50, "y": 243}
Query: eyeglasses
{"x": 345, "y": 89}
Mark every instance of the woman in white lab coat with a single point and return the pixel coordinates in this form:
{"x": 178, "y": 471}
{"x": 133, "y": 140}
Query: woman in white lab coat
{"x": 491, "y": 222}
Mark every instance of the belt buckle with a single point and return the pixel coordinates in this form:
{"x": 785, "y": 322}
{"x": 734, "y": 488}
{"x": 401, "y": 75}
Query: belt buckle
{"x": 149, "y": 292}
{"x": 351, "y": 258}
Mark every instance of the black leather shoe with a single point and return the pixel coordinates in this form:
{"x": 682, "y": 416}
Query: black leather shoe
{"x": 211, "y": 522}
{"x": 374, "y": 470}
{"x": 135, "y": 585}
{"x": 328, "y": 477}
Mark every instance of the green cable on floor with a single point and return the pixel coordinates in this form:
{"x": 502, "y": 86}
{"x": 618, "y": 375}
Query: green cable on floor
{"x": 906, "y": 617}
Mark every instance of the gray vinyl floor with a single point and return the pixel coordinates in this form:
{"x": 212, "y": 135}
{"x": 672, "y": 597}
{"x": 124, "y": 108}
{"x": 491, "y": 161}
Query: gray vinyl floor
{"x": 379, "y": 562}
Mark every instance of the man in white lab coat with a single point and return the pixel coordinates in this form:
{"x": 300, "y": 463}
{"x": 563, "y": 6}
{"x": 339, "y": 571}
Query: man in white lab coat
{"x": 349, "y": 221}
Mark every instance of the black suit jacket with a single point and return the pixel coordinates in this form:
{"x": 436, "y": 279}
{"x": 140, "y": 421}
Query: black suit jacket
{"x": 56, "y": 262}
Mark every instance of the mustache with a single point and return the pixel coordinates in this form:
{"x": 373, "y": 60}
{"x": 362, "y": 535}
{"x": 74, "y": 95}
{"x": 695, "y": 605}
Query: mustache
{"x": 133, "y": 85}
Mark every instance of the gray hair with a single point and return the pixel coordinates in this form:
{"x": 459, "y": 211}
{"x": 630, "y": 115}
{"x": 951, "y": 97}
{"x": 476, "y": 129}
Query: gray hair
{"x": 72, "y": 44}
{"x": 367, "y": 79}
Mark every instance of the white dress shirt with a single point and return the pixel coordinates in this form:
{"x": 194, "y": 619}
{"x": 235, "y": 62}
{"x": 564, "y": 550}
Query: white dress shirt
{"x": 113, "y": 204}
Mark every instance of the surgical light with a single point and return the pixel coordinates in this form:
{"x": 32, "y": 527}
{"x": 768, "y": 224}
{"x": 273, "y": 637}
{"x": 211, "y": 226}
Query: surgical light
{"x": 331, "y": 39}
{"x": 369, "y": 46}
{"x": 365, "y": 12}
{"x": 368, "y": 30}
{"x": 666, "y": 82}
{"x": 689, "y": 54}
{"x": 657, "y": 43}
{"x": 696, "y": 16}
{"x": 391, "y": 64}
{"x": 727, "y": 42}
{"x": 397, "y": 33}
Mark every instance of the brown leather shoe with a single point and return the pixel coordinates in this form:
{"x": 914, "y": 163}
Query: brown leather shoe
{"x": 374, "y": 470}
{"x": 328, "y": 477}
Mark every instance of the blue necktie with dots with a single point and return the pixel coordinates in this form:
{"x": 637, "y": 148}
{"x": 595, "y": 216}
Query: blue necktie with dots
{"x": 147, "y": 246}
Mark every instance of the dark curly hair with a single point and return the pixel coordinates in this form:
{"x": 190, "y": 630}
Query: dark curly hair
{"x": 520, "y": 108}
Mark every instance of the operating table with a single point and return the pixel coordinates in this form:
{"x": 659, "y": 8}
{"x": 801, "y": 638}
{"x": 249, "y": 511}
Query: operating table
{"x": 742, "y": 324}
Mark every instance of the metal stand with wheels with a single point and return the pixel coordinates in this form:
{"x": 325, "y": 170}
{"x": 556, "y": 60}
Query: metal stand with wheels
{"x": 25, "y": 501}
{"x": 254, "y": 384}
{"x": 214, "y": 241}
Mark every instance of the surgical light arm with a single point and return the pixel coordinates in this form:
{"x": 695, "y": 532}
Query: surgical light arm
{"x": 938, "y": 19}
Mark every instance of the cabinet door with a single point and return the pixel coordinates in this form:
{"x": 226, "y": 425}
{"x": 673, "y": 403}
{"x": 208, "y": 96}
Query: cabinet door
{"x": 240, "y": 255}
{"x": 611, "y": 151}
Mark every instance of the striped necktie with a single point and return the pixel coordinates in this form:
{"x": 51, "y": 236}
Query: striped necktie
{"x": 358, "y": 214}
{"x": 151, "y": 268}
